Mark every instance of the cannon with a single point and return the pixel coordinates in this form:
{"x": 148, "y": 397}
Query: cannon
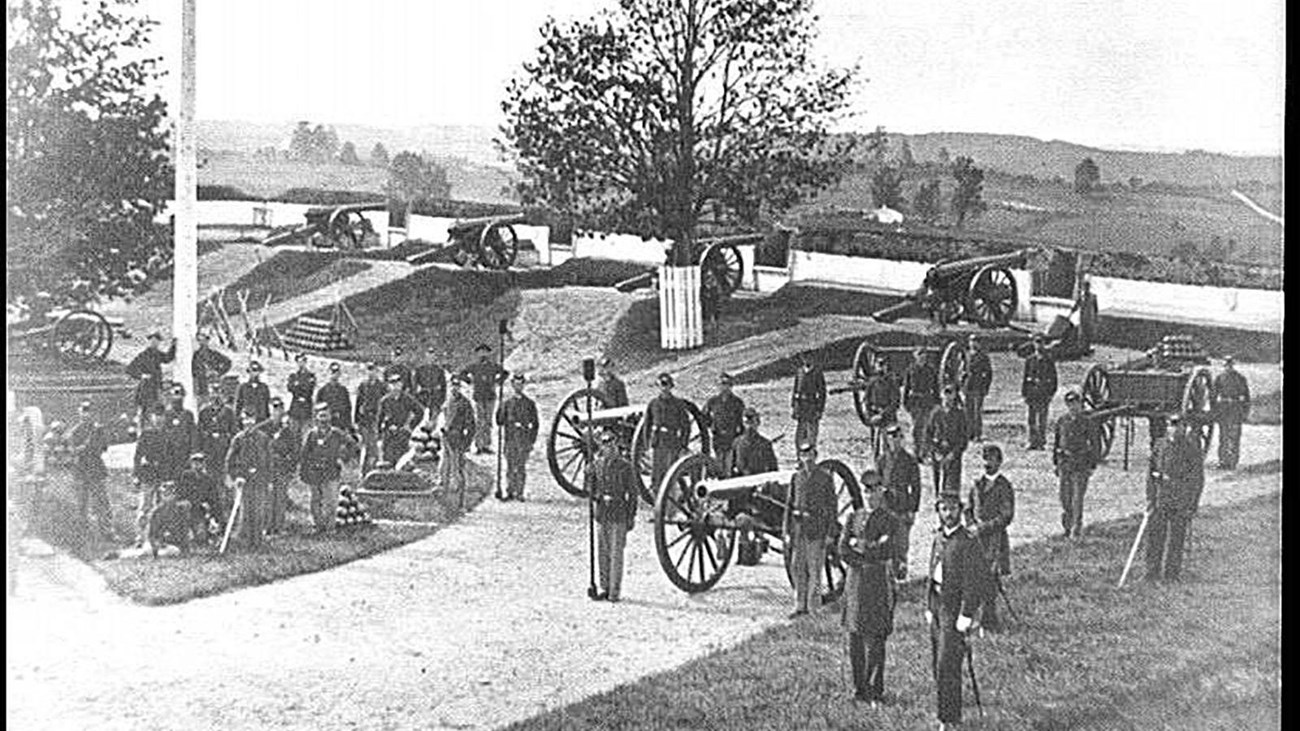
{"x": 571, "y": 444}
{"x": 699, "y": 518}
{"x": 490, "y": 241}
{"x": 722, "y": 270}
{"x": 979, "y": 290}
{"x": 77, "y": 334}
{"x": 338, "y": 227}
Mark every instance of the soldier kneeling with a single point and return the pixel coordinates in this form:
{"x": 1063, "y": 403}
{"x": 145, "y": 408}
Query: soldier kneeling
{"x": 171, "y": 522}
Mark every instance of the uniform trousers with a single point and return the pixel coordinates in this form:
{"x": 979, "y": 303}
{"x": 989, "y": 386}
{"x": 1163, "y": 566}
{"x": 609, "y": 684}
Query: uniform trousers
{"x": 948, "y": 649}
{"x": 1229, "y": 444}
{"x": 1074, "y": 483}
{"x": 148, "y": 499}
{"x": 661, "y": 458}
{"x": 486, "y": 411}
{"x": 251, "y": 519}
{"x": 920, "y": 415}
{"x": 278, "y": 504}
{"x": 324, "y": 504}
{"x": 947, "y": 476}
{"x": 1166, "y": 536}
{"x": 92, "y": 502}
{"x": 975, "y": 414}
{"x": 611, "y": 538}
{"x": 902, "y": 537}
{"x": 722, "y": 451}
{"x": 867, "y": 658}
{"x": 1037, "y": 423}
{"x": 452, "y": 469}
{"x": 807, "y": 563}
{"x": 516, "y": 454}
{"x": 369, "y": 448}
{"x": 806, "y": 428}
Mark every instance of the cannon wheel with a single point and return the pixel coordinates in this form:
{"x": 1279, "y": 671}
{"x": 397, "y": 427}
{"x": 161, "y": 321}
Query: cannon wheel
{"x": 849, "y": 498}
{"x": 498, "y": 247}
{"x": 992, "y": 298}
{"x": 1096, "y": 396}
{"x": 642, "y": 457}
{"x": 952, "y": 365}
{"x": 863, "y": 369}
{"x": 722, "y": 264}
{"x": 687, "y": 529}
{"x": 567, "y": 450}
{"x": 82, "y": 335}
{"x": 1197, "y": 407}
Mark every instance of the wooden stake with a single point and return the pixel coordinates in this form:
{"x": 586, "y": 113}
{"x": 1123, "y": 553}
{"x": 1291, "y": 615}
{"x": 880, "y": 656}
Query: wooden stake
{"x": 1133, "y": 552}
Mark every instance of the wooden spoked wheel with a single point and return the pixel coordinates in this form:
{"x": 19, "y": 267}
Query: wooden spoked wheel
{"x": 498, "y": 247}
{"x": 82, "y": 335}
{"x": 1096, "y": 396}
{"x": 1198, "y": 407}
{"x": 722, "y": 265}
{"x": 693, "y": 546}
{"x": 642, "y": 453}
{"x": 571, "y": 445}
{"x": 864, "y": 367}
{"x": 992, "y": 297}
{"x": 849, "y": 498}
{"x": 952, "y": 365}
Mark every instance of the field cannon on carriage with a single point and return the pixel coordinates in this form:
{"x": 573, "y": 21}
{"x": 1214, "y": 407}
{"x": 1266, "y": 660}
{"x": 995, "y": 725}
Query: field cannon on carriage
{"x": 722, "y": 270}
{"x": 979, "y": 290}
{"x": 76, "y": 334}
{"x": 490, "y": 242}
{"x": 343, "y": 228}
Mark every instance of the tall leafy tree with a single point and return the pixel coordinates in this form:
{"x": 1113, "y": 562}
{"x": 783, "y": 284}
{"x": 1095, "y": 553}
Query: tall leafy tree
{"x": 648, "y": 116}
{"x": 927, "y": 204}
{"x": 968, "y": 198}
{"x": 412, "y": 178}
{"x": 887, "y": 188}
{"x": 86, "y": 153}
{"x": 348, "y": 154}
{"x": 906, "y": 160}
{"x": 379, "y": 155}
{"x": 1087, "y": 176}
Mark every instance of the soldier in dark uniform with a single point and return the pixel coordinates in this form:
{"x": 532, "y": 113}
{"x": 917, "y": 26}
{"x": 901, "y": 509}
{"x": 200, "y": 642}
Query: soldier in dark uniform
{"x": 957, "y": 586}
{"x": 485, "y": 374}
{"x": 216, "y": 426}
{"x": 808, "y": 399}
{"x": 336, "y": 395}
{"x": 614, "y": 498}
{"x": 253, "y": 394}
{"x": 146, "y": 367}
{"x": 1075, "y": 450}
{"x": 399, "y": 366}
{"x": 399, "y": 412}
{"x": 206, "y": 365}
{"x": 180, "y": 433}
{"x": 430, "y": 382}
{"x": 611, "y": 386}
{"x": 975, "y": 386}
{"x": 149, "y": 465}
{"x": 722, "y": 415}
{"x": 752, "y": 454}
{"x": 1038, "y": 388}
{"x": 870, "y": 552}
{"x": 198, "y": 487}
{"x": 1086, "y": 305}
{"x": 302, "y": 392}
{"x": 457, "y": 435}
{"x": 946, "y": 440}
{"x": 807, "y": 524}
{"x": 1231, "y": 407}
{"x": 669, "y": 425}
{"x": 1173, "y": 494}
{"x": 882, "y": 400}
{"x": 920, "y": 394}
{"x": 286, "y": 442}
{"x": 369, "y": 394}
{"x": 249, "y": 459}
{"x": 902, "y": 478}
{"x": 88, "y": 443}
{"x": 517, "y": 415}
{"x": 990, "y": 508}
{"x": 325, "y": 448}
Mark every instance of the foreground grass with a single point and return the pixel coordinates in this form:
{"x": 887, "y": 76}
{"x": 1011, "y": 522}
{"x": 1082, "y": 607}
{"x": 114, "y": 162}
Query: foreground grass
{"x": 1201, "y": 654}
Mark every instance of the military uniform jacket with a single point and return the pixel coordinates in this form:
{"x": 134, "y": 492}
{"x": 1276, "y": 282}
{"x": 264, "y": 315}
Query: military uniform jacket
{"x": 814, "y": 503}
{"x": 149, "y": 462}
{"x": 1077, "y": 443}
{"x": 991, "y": 507}
{"x": 614, "y": 391}
{"x": 216, "y": 426}
{"x": 881, "y": 394}
{"x": 149, "y": 361}
{"x": 285, "y": 445}
{"x": 867, "y": 547}
{"x": 751, "y": 454}
{"x": 1181, "y": 467}
{"x": 485, "y": 375}
{"x": 403, "y": 372}
{"x": 979, "y": 372}
{"x": 902, "y": 477}
{"x": 322, "y": 454}
{"x": 197, "y": 488}
{"x": 207, "y": 363}
{"x": 668, "y": 422}
{"x": 723, "y": 414}
{"x": 336, "y": 395}
{"x": 301, "y": 387}
{"x": 614, "y": 489}
{"x": 181, "y": 435}
{"x": 958, "y": 559}
{"x": 1231, "y": 397}
{"x": 430, "y": 383}
{"x": 809, "y": 397}
{"x": 146, "y": 392}
{"x": 518, "y": 414}
{"x": 1039, "y": 382}
{"x": 400, "y": 410}
{"x": 249, "y": 456}
{"x": 369, "y": 394}
{"x": 945, "y": 431}
{"x": 256, "y": 394}
{"x": 458, "y": 430}
{"x": 920, "y": 391}
{"x": 88, "y": 443}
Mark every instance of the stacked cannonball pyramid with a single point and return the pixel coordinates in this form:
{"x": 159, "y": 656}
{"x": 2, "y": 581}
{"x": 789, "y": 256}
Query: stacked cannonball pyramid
{"x": 1174, "y": 349}
{"x": 425, "y": 442}
{"x": 350, "y": 511}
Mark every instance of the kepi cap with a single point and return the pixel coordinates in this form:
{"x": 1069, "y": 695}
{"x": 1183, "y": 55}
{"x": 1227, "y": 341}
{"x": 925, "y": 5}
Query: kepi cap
{"x": 155, "y": 335}
{"x": 871, "y": 479}
{"x": 665, "y": 379}
{"x": 518, "y": 378}
{"x": 254, "y": 367}
{"x": 336, "y": 367}
{"x": 724, "y": 377}
{"x": 606, "y": 435}
{"x": 276, "y": 401}
{"x": 197, "y": 455}
{"x": 948, "y": 498}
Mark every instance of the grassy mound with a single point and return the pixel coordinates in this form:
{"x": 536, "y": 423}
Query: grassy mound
{"x": 290, "y": 273}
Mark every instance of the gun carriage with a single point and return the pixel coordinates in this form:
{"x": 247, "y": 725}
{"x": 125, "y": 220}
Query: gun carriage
{"x": 338, "y": 227}
{"x": 722, "y": 270}
{"x": 979, "y": 290}
{"x": 77, "y": 334}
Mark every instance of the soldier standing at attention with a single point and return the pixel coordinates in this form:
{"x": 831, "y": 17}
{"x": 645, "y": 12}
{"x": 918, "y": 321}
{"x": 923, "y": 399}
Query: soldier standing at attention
{"x": 990, "y": 508}
{"x": 430, "y": 382}
{"x": 457, "y": 435}
{"x": 399, "y": 366}
{"x": 722, "y": 414}
{"x": 325, "y": 448}
{"x": 1038, "y": 387}
{"x": 946, "y": 440}
{"x": 336, "y": 395}
{"x": 920, "y": 395}
{"x": 180, "y": 433}
{"x": 88, "y": 444}
{"x": 286, "y": 441}
{"x": 302, "y": 391}
{"x": 1086, "y": 305}
{"x": 882, "y": 399}
{"x": 1075, "y": 449}
{"x": 669, "y": 425}
{"x": 808, "y": 399}
{"x": 806, "y": 525}
{"x": 1173, "y": 494}
{"x": 249, "y": 459}
{"x": 870, "y": 552}
{"x": 216, "y": 426}
{"x": 957, "y": 585}
{"x": 614, "y": 492}
{"x": 366, "y": 418}
{"x": 149, "y": 463}
{"x": 902, "y": 478}
{"x": 253, "y": 394}
{"x": 146, "y": 367}
{"x": 1231, "y": 407}
{"x": 485, "y": 374}
{"x": 399, "y": 412}
{"x": 206, "y": 365}
{"x": 611, "y": 386}
{"x": 975, "y": 384}
{"x": 518, "y": 415}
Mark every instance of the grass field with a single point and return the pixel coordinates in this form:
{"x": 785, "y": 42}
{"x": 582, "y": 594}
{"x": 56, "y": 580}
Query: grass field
{"x": 268, "y": 179}
{"x": 1202, "y": 654}
{"x": 288, "y": 273}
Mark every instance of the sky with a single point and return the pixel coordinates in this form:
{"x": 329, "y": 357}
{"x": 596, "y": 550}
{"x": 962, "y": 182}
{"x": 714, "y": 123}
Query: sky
{"x": 1163, "y": 75}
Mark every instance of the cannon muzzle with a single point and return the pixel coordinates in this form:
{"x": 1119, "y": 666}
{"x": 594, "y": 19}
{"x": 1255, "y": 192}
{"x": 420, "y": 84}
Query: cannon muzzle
{"x": 893, "y": 312}
{"x": 739, "y": 487}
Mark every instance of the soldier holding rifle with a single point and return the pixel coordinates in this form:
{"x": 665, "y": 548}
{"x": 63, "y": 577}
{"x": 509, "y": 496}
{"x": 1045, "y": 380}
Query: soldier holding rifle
{"x": 902, "y": 477}
{"x": 882, "y": 399}
{"x": 990, "y": 509}
{"x": 808, "y": 400}
{"x": 919, "y": 397}
{"x": 1038, "y": 387}
{"x": 249, "y": 460}
{"x": 976, "y": 382}
{"x": 1173, "y": 493}
{"x": 206, "y": 365}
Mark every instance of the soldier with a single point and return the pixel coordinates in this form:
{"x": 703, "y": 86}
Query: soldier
{"x": 902, "y": 478}
{"x": 752, "y": 454}
{"x": 180, "y": 433}
{"x": 88, "y": 444}
{"x": 611, "y": 386}
{"x": 286, "y": 441}
{"x": 722, "y": 414}
{"x": 216, "y": 427}
{"x": 808, "y": 399}
{"x": 976, "y": 382}
{"x": 920, "y": 395}
{"x": 249, "y": 459}
{"x": 199, "y": 488}
{"x": 809, "y": 514}
{"x": 669, "y": 425}
{"x": 399, "y": 366}
{"x": 1086, "y": 305}
{"x": 146, "y": 367}
{"x": 946, "y": 440}
{"x": 1173, "y": 495}
{"x": 149, "y": 465}
{"x": 399, "y": 412}
{"x": 956, "y": 589}
{"x": 882, "y": 399}
{"x": 457, "y": 435}
{"x": 1038, "y": 387}
{"x": 206, "y": 365}
{"x": 990, "y": 508}
{"x": 485, "y": 374}
{"x": 870, "y": 553}
{"x": 254, "y": 394}
{"x": 430, "y": 382}
{"x": 325, "y": 448}
{"x": 518, "y": 417}
{"x": 369, "y": 394}
{"x": 1231, "y": 407}
{"x": 1075, "y": 449}
{"x": 614, "y": 494}
{"x": 302, "y": 391}
{"x": 336, "y": 395}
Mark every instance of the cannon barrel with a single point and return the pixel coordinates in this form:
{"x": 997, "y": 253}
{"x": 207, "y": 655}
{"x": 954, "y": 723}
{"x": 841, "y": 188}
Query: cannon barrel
{"x": 300, "y": 231}
{"x": 961, "y": 266}
{"x": 738, "y": 487}
{"x": 893, "y": 312}
{"x": 1108, "y": 413}
{"x": 466, "y": 225}
{"x": 734, "y": 240}
{"x": 640, "y": 281}
{"x": 611, "y": 416}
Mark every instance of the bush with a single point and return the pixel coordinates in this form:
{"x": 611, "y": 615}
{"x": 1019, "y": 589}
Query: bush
{"x": 223, "y": 193}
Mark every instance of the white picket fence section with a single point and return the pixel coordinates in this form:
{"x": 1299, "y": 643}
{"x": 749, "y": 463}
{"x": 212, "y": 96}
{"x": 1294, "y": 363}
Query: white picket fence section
{"x": 681, "y": 322}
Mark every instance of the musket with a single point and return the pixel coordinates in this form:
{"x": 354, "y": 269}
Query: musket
{"x": 970, "y": 668}
{"x": 1132, "y": 554}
